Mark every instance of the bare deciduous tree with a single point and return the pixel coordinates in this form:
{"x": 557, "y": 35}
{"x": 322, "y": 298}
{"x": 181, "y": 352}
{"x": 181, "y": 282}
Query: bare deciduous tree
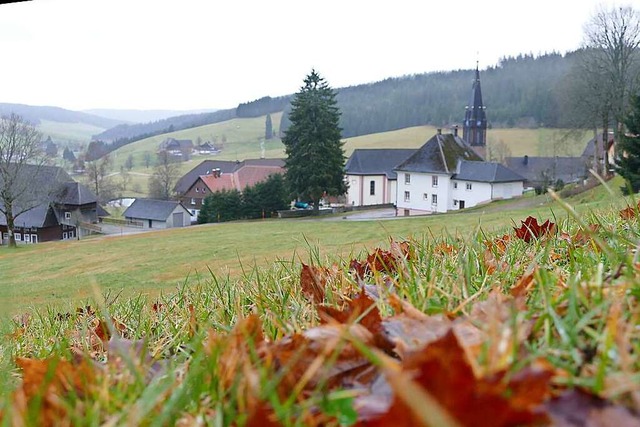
{"x": 21, "y": 161}
{"x": 164, "y": 177}
{"x": 607, "y": 74}
{"x": 98, "y": 178}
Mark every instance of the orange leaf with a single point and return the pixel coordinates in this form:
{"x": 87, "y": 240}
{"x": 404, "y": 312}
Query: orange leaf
{"x": 313, "y": 281}
{"x": 358, "y": 306}
{"x": 530, "y": 229}
{"x": 444, "y": 371}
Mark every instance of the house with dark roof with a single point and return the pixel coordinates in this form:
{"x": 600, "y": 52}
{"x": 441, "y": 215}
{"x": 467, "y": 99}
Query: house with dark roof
{"x": 447, "y": 174}
{"x": 60, "y": 209}
{"x": 371, "y": 176}
{"x": 542, "y": 172}
{"x": 158, "y": 213}
{"x": 217, "y": 175}
{"x": 177, "y": 147}
{"x": 606, "y": 152}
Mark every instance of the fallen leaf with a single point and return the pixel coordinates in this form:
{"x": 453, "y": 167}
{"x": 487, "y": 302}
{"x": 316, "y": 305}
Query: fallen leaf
{"x": 530, "y": 229}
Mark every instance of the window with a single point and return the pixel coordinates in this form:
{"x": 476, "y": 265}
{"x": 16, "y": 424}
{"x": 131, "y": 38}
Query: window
{"x": 204, "y": 189}
{"x": 65, "y": 236}
{"x": 407, "y": 196}
{"x": 27, "y": 238}
{"x": 372, "y": 188}
{"x": 455, "y": 185}
{"x": 455, "y": 202}
{"x": 425, "y": 196}
{"x": 468, "y": 186}
{"x": 5, "y": 236}
{"x": 18, "y": 237}
{"x": 67, "y": 215}
{"x": 407, "y": 178}
{"x": 434, "y": 199}
{"x": 193, "y": 201}
{"x": 71, "y": 234}
{"x": 197, "y": 190}
{"x": 434, "y": 181}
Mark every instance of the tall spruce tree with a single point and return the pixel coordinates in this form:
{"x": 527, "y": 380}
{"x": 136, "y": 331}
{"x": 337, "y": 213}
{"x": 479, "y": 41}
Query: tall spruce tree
{"x": 628, "y": 164}
{"x": 315, "y": 154}
{"x": 268, "y": 127}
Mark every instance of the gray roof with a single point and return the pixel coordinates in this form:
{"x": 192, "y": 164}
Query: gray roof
{"x": 74, "y": 193}
{"x": 536, "y": 169}
{"x": 440, "y": 154}
{"x": 158, "y": 210}
{"x": 486, "y": 172}
{"x": 225, "y": 166}
{"x": 377, "y": 161}
{"x": 40, "y": 216}
{"x": 47, "y": 184}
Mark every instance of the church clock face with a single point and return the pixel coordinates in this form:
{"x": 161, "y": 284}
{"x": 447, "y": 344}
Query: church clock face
{"x": 479, "y": 123}
{"x": 466, "y": 123}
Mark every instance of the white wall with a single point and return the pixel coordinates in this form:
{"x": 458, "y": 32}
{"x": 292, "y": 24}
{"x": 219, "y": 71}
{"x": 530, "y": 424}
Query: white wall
{"x": 507, "y": 190}
{"x": 358, "y": 193}
{"x": 480, "y": 192}
{"x": 421, "y": 190}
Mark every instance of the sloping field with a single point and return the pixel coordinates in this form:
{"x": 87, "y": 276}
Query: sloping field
{"x": 63, "y": 272}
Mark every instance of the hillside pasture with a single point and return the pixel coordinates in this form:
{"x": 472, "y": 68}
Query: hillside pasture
{"x": 243, "y": 138}
{"x": 61, "y": 133}
{"x": 63, "y": 273}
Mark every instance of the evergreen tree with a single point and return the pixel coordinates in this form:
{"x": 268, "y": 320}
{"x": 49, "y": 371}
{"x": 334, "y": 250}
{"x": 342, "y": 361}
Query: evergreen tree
{"x": 68, "y": 155}
{"x": 268, "y": 128}
{"x": 221, "y": 206}
{"x": 315, "y": 156}
{"x": 628, "y": 164}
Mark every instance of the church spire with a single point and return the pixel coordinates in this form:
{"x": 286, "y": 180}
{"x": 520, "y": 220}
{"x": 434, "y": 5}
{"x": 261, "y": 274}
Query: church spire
{"x": 474, "y": 130}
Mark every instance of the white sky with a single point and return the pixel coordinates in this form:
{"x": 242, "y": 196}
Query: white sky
{"x": 189, "y": 54}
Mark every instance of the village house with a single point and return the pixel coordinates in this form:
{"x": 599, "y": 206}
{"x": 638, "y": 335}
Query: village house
{"x": 177, "y": 147}
{"x": 447, "y": 174}
{"x": 543, "y": 172}
{"x": 150, "y": 213}
{"x": 61, "y": 209}
{"x": 218, "y": 175}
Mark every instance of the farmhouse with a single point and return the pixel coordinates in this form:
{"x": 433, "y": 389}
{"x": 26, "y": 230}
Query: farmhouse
{"x": 61, "y": 208}
{"x": 217, "y": 175}
{"x": 158, "y": 213}
{"x": 447, "y": 174}
{"x": 176, "y": 147}
{"x": 542, "y": 172}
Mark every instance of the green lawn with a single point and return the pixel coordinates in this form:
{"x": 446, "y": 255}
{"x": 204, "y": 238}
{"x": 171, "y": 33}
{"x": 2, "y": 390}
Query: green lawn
{"x": 64, "y": 272}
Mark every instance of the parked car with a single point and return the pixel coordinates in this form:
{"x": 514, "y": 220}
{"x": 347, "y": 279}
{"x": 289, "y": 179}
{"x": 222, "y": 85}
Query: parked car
{"x": 302, "y": 205}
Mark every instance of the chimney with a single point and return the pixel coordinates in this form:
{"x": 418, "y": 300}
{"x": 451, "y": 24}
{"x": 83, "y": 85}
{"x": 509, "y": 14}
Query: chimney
{"x": 439, "y": 130}
{"x": 526, "y": 159}
{"x": 455, "y": 130}
{"x": 216, "y": 172}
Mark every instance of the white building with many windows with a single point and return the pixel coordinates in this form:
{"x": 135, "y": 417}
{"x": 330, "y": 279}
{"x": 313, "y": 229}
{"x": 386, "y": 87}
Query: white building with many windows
{"x": 447, "y": 174}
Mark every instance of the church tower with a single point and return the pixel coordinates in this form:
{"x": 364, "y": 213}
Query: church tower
{"x": 474, "y": 130}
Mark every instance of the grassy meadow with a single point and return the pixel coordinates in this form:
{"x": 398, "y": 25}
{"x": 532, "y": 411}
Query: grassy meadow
{"x": 158, "y": 261}
{"x": 219, "y": 324}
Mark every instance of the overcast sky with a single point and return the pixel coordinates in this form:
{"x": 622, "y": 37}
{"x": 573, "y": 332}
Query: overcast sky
{"x": 190, "y": 54}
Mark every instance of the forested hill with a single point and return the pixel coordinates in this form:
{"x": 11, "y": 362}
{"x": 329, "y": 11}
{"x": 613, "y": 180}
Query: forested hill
{"x": 519, "y": 91}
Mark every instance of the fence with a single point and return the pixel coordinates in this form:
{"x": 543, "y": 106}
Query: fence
{"x": 121, "y": 222}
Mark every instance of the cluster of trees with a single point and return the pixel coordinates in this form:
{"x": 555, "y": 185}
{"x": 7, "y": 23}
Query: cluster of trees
{"x": 262, "y": 200}
{"x": 262, "y": 106}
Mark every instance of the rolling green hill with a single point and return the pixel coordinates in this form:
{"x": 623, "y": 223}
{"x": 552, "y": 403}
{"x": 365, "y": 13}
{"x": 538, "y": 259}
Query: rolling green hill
{"x": 244, "y": 135}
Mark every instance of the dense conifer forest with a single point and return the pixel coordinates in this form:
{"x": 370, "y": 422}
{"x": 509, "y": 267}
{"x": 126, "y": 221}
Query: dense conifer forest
{"x": 522, "y": 91}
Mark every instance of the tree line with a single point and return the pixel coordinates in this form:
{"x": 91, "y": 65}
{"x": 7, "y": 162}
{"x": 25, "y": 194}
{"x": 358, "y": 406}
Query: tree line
{"x": 261, "y": 200}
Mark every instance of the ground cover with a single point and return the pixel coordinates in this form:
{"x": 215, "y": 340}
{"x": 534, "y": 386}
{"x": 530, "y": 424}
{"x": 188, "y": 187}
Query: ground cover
{"x": 498, "y": 320}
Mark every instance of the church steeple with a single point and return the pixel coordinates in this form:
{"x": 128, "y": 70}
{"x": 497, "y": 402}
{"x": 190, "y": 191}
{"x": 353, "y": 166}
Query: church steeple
{"x": 474, "y": 130}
